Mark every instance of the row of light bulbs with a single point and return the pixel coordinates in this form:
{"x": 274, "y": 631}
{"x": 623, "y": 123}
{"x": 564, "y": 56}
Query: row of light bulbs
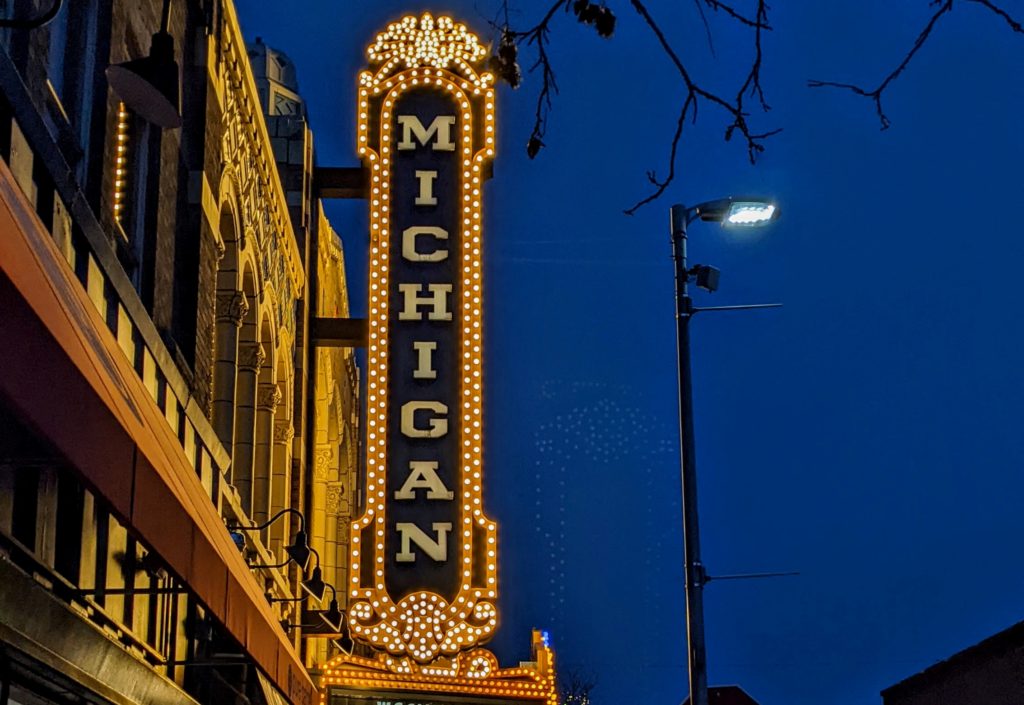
{"x": 483, "y": 677}
{"x": 121, "y": 161}
{"x": 426, "y": 41}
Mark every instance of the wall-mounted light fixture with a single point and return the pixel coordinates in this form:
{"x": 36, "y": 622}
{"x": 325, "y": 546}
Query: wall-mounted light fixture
{"x": 149, "y": 85}
{"x": 298, "y": 550}
{"x": 331, "y": 621}
{"x": 313, "y": 586}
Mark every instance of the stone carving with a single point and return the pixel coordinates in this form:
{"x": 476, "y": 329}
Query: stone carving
{"x": 232, "y": 307}
{"x": 334, "y": 494}
{"x": 268, "y": 396}
{"x": 283, "y": 432}
{"x": 322, "y": 462}
{"x": 251, "y": 357}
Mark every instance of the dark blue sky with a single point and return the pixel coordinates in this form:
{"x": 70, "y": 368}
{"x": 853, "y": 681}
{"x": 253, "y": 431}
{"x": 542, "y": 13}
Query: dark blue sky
{"x": 868, "y": 434}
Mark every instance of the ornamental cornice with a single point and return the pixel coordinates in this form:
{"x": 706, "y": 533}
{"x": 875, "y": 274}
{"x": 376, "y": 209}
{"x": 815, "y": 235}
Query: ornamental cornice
{"x": 253, "y": 156}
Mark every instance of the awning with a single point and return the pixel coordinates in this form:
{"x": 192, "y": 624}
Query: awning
{"x": 63, "y": 371}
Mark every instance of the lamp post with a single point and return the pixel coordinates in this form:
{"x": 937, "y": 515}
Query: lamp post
{"x": 743, "y": 212}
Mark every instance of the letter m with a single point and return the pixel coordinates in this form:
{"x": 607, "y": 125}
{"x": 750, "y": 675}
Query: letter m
{"x": 412, "y": 534}
{"x": 441, "y": 126}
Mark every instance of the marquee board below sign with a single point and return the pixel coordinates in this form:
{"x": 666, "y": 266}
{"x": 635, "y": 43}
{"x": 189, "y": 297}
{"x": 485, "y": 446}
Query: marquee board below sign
{"x": 468, "y": 678}
{"x": 423, "y": 556}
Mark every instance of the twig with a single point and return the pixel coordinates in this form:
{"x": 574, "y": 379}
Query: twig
{"x": 715, "y": 5}
{"x": 1014, "y": 24}
{"x": 694, "y": 93}
{"x": 707, "y": 27}
{"x": 660, "y": 186}
{"x": 539, "y": 35}
{"x": 876, "y": 95}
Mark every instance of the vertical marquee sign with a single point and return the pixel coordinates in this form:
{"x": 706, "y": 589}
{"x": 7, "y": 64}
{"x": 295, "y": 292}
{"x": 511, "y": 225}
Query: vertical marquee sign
{"x": 424, "y": 555}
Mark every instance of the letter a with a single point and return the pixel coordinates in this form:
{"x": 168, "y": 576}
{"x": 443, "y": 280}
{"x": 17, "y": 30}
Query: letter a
{"x": 423, "y": 475}
{"x": 412, "y": 534}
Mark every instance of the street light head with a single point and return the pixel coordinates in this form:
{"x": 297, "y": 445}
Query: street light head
{"x": 741, "y": 211}
{"x": 750, "y": 213}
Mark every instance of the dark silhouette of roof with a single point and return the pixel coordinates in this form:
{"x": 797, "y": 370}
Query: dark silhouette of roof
{"x": 997, "y": 645}
{"x": 727, "y": 695}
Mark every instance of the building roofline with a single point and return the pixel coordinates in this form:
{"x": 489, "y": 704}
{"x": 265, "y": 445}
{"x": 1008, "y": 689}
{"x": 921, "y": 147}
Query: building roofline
{"x": 999, "y": 643}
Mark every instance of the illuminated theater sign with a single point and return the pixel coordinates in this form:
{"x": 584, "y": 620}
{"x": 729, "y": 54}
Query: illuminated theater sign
{"x": 424, "y": 555}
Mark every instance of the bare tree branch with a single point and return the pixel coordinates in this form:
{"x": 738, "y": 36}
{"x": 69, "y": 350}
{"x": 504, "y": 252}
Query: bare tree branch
{"x": 707, "y": 27}
{"x": 695, "y": 93}
{"x": 944, "y": 6}
{"x": 715, "y": 5}
{"x": 539, "y": 36}
{"x": 753, "y": 82}
{"x": 876, "y": 95}
{"x": 574, "y": 687}
{"x": 660, "y": 186}
{"x": 1014, "y": 24}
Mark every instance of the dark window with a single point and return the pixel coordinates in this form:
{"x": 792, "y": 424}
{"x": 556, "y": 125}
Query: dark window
{"x": 25, "y": 506}
{"x": 68, "y": 546}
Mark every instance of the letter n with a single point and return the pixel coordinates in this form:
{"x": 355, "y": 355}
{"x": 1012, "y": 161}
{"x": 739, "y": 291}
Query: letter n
{"x": 412, "y": 534}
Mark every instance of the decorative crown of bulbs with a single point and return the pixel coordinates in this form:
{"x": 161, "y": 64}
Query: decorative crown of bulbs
{"x": 426, "y": 42}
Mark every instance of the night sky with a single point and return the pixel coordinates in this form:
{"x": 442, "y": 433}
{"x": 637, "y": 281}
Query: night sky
{"x": 868, "y": 434}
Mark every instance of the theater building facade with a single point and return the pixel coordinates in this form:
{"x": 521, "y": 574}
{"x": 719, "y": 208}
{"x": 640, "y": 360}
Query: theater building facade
{"x": 196, "y": 504}
{"x": 160, "y": 392}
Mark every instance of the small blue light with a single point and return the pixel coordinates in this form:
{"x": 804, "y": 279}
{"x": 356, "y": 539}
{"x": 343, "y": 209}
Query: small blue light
{"x": 545, "y": 638}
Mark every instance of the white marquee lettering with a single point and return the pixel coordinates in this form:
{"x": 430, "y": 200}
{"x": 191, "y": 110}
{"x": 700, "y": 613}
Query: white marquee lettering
{"x": 412, "y": 534}
{"x": 438, "y": 424}
{"x": 423, "y": 476}
{"x": 424, "y": 360}
{"x": 426, "y": 197}
{"x": 409, "y": 250}
{"x": 441, "y": 126}
{"x": 437, "y": 299}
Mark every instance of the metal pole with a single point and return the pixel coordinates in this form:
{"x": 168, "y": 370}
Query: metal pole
{"x": 694, "y": 569}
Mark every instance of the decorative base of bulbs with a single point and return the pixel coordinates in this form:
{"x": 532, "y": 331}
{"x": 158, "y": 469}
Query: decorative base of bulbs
{"x": 356, "y": 680}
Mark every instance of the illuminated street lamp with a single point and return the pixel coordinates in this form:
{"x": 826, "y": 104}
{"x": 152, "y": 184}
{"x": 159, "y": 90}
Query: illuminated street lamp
{"x": 730, "y": 212}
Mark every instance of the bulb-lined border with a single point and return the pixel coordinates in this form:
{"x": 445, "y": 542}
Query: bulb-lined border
{"x": 423, "y": 625}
